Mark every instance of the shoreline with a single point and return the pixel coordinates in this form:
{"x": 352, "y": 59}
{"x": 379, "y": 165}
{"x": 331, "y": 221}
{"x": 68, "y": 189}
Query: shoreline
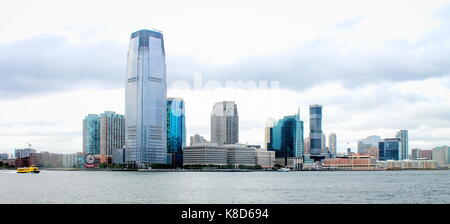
{"x": 215, "y": 170}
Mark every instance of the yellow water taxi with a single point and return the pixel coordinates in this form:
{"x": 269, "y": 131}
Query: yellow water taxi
{"x": 31, "y": 169}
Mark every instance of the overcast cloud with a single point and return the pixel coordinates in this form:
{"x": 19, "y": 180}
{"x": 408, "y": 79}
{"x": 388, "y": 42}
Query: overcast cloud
{"x": 376, "y": 66}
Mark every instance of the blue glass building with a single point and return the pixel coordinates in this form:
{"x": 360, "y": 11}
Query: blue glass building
{"x": 176, "y": 129}
{"x": 390, "y": 149}
{"x": 91, "y": 134}
{"x": 145, "y": 99}
{"x": 286, "y": 137}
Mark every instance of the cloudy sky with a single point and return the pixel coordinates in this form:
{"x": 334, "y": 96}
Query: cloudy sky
{"x": 375, "y": 66}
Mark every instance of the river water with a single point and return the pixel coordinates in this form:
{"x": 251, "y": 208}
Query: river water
{"x": 427, "y": 186}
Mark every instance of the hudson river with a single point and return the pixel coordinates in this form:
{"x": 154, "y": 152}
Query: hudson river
{"x": 226, "y": 187}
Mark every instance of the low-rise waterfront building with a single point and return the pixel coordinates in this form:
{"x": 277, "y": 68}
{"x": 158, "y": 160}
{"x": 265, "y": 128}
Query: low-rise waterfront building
{"x": 211, "y": 153}
{"x": 69, "y": 160}
{"x": 265, "y": 158}
{"x": 3, "y": 156}
{"x": 407, "y": 164}
{"x": 207, "y": 153}
{"x": 240, "y": 154}
{"x": 118, "y": 156}
{"x": 441, "y": 155}
{"x": 353, "y": 162}
{"x": 46, "y": 159}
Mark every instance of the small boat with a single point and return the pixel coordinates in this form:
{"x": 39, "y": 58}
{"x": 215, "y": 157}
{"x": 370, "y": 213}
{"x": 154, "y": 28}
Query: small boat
{"x": 284, "y": 169}
{"x": 31, "y": 169}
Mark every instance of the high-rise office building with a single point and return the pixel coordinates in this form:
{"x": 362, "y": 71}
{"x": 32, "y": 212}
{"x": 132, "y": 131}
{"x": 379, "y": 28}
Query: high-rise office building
{"x": 176, "y": 127}
{"x": 176, "y": 130}
{"x": 390, "y": 149}
{"x": 287, "y": 137}
{"x": 112, "y": 132}
{"x": 315, "y": 130}
{"x": 91, "y": 134}
{"x": 332, "y": 143}
{"x": 324, "y": 143}
{"x": 403, "y": 136}
{"x": 225, "y": 123}
{"x": 269, "y": 125}
{"x": 370, "y": 141}
{"x": 145, "y": 99}
{"x": 307, "y": 146}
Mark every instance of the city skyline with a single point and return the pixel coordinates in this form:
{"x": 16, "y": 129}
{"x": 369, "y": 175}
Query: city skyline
{"x": 354, "y": 82}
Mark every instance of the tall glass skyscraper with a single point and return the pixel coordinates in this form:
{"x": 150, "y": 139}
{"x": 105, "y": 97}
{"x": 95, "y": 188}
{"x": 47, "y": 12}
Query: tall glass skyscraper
{"x": 145, "y": 99}
{"x": 225, "y": 123}
{"x": 91, "y": 134}
{"x": 176, "y": 130}
{"x": 403, "y": 136}
{"x": 315, "y": 129}
{"x": 332, "y": 143}
{"x": 286, "y": 137}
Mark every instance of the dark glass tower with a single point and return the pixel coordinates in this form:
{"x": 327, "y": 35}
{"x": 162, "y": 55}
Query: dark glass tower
{"x": 315, "y": 130}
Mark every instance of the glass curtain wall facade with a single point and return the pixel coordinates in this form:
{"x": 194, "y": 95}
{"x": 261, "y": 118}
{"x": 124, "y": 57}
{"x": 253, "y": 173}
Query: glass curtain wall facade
{"x": 91, "y": 134}
{"x": 112, "y": 132}
{"x": 286, "y": 137}
{"x": 145, "y": 99}
{"x": 403, "y": 136}
{"x": 390, "y": 149}
{"x": 315, "y": 129}
{"x": 176, "y": 129}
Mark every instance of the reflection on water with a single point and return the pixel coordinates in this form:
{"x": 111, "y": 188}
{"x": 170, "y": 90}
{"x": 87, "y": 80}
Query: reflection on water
{"x": 222, "y": 187}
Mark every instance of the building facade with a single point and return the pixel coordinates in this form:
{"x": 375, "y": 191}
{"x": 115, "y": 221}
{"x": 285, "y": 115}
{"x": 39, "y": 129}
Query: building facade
{"x": 4, "y": 156}
{"x": 225, "y": 123}
{"x": 390, "y": 149}
{"x": 441, "y": 155}
{"x": 46, "y": 159}
{"x": 270, "y": 123}
{"x": 370, "y": 141}
{"x": 332, "y": 143}
{"x": 265, "y": 158}
{"x": 112, "y": 132}
{"x": 91, "y": 134}
{"x": 23, "y": 153}
{"x": 240, "y": 154}
{"x": 145, "y": 99}
{"x": 196, "y": 138}
{"x": 287, "y": 137}
{"x": 404, "y": 151}
{"x": 315, "y": 129}
{"x": 205, "y": 154}
{"x": 176, "y": 130}
{"x": 69, "y": 160}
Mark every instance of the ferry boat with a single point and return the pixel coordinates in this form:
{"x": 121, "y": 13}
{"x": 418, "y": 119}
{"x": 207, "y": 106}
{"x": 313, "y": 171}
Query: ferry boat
{"x": 31, "y": 169}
